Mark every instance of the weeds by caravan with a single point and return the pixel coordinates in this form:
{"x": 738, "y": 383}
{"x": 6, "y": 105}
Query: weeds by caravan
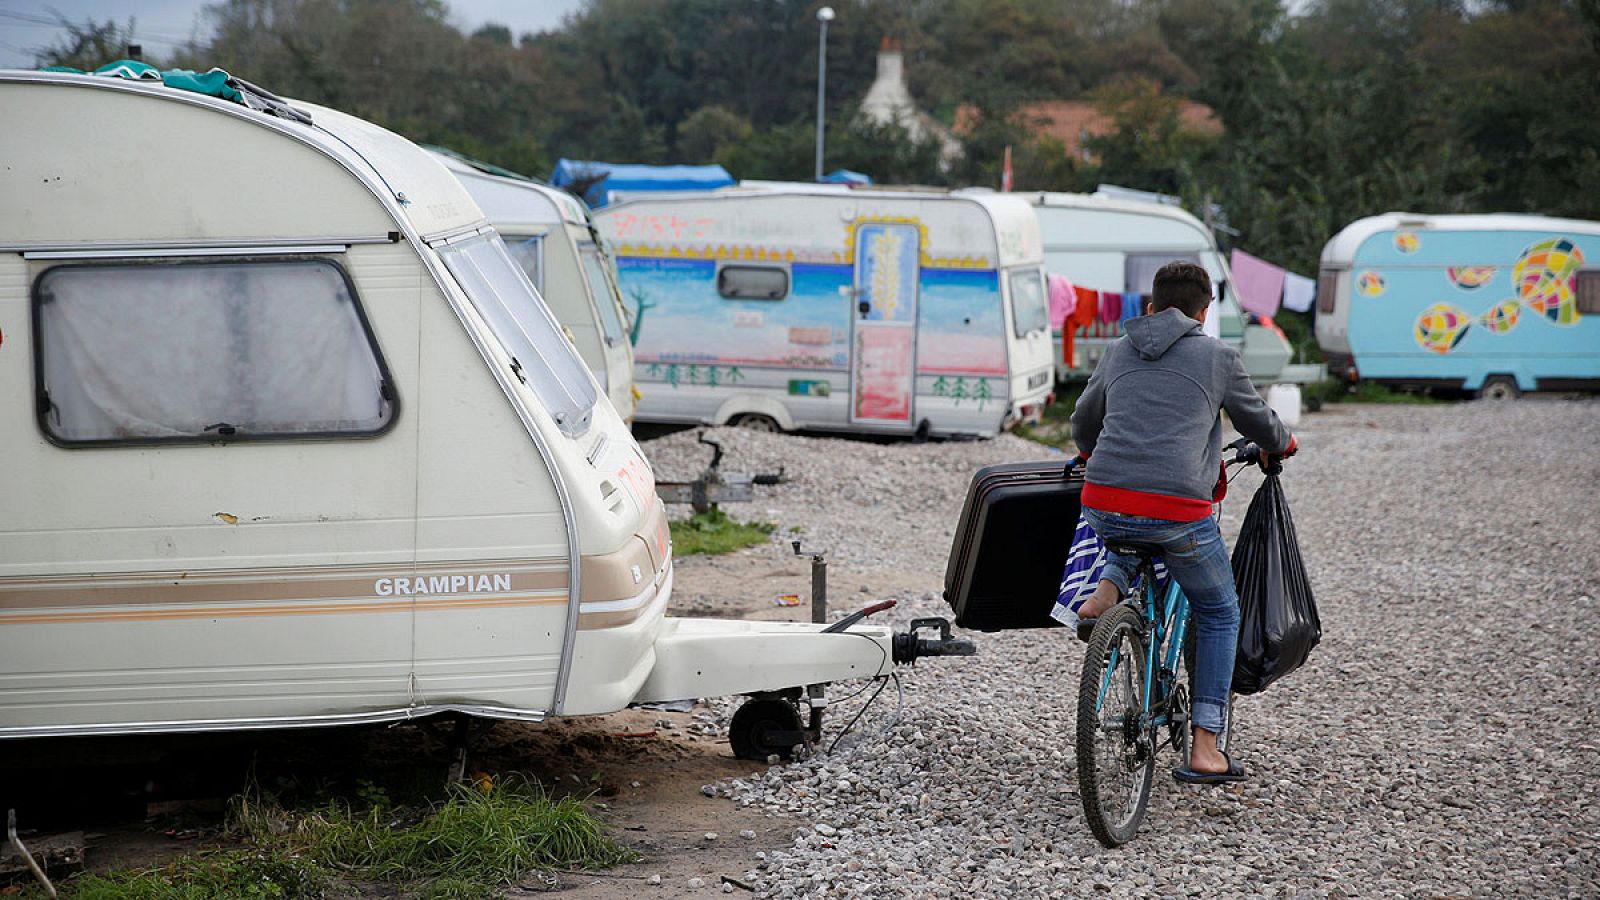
{"x": 288, "y": 440}
{"x": 1498, "y": 303}
{"x": 1116, "y": 245}
{"x": 550, "y": 235}
{"x": 855, "y": 310}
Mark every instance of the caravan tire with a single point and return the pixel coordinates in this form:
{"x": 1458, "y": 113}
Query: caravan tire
{"x": 757, "y": 422}
{"x": 1499, "y": 387}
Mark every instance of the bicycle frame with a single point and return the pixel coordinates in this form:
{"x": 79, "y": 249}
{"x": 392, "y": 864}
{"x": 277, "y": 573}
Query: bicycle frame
{"x": 1167, "y": 625}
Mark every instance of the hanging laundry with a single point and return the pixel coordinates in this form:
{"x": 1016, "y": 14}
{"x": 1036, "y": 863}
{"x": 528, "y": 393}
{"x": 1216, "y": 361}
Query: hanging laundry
{"x": 1132, "y": 305}
{"x": 1110, "y": 306}
{"x": 1063, "y": 300}
{"x": 1082, "y": 317}
{"x": 1258, "y": 283}
{"x": 1299, "y": 292}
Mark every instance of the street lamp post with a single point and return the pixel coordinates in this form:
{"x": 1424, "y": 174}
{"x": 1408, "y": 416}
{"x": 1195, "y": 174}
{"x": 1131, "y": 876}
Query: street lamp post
{"x": 824, "y": 16}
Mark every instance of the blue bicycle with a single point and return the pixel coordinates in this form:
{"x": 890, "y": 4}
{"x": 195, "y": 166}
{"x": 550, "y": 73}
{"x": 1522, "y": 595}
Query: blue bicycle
{"x": 1135, "y": 693}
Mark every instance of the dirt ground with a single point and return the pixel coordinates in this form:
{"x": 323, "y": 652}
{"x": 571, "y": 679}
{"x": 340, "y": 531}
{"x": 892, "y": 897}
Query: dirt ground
{"x": 141, "y": 801}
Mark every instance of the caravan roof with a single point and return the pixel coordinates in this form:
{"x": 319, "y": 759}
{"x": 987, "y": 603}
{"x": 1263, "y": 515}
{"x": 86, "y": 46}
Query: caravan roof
{"x": 261, "y": 196}
{"x": 1179, "y": 223}
{"x": 1341, "y": 250}
{"x": 504, "y": 198}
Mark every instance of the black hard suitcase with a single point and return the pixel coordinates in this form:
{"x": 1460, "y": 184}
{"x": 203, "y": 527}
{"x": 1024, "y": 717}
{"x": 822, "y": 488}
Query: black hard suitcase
{"x": 1011, "y": 545}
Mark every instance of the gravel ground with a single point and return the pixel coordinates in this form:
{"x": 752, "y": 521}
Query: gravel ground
{"x": 1444, "y": 739}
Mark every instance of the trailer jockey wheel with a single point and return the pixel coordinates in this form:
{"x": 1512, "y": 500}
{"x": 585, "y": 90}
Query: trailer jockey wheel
{"x": 766, "y": 727}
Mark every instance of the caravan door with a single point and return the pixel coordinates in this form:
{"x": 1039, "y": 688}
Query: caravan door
{"x": 883, "y": 340}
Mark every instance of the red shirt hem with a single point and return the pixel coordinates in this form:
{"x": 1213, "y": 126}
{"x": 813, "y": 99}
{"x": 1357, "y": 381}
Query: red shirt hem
{"x": 1147, "y": 505}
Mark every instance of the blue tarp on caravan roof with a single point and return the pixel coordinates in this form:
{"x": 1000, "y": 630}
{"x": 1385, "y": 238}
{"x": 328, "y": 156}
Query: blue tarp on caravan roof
{"x": 631, "y": 177}
{"x": 846, "y": 176}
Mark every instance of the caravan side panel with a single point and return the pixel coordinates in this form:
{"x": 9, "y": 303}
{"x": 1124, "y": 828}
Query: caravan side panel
{"x": 694, "y": 347}
{"x": 1450, "y": 308}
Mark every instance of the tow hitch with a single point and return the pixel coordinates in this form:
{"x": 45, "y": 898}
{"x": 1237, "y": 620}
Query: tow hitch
{"x": 715, "y": 486}
{"x": 908, "y": 647}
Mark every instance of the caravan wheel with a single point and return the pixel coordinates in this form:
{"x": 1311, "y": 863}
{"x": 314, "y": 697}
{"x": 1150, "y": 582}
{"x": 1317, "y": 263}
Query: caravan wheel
{"x": 763, "y": 728}
{"x": 1500, "y": 387}
{"x": 757, "y": 422}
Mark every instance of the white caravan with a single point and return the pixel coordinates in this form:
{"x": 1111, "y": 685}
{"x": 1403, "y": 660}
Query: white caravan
{"x": 550, "y": 235}
{"x": 797, "y": 306}
{"x": 290, "y": 441}
{"x": 1108, "y": 244}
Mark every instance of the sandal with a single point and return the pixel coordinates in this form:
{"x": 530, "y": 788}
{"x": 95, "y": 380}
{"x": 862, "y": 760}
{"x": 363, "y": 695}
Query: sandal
{"x": 1189, "y": 776}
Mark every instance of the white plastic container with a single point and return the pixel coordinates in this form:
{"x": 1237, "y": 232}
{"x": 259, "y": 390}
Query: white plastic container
{"x": 1285, "y": 401}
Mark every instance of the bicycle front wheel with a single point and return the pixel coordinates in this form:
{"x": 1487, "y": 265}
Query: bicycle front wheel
{"x": 1116, "y": 747}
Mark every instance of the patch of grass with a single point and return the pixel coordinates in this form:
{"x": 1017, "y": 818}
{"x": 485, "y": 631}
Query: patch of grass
{"x": 1055, "y": 429}
{"x": 1331, "y": 391}
{"x": 477, "y": 841}
{"x": 249, "y": 874}
{"x": 713, "y": 533}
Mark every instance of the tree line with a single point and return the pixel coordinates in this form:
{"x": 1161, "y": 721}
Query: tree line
{"x": 1336, "y": 110}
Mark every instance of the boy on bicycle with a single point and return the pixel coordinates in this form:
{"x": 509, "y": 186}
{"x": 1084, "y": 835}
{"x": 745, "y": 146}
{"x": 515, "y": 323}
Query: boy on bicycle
{"x": 1148, "y": 426}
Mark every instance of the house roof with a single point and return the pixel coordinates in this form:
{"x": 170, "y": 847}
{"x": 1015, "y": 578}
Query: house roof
{"x": 1072, "y": 121}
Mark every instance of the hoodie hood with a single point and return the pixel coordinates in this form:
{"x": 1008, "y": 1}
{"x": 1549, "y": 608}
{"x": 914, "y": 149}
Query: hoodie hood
{"x": 1154, "y": 335}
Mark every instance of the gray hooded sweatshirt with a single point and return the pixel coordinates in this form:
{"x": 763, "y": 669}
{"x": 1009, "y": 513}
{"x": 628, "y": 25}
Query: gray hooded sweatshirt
{"x": 1148, "y": 419}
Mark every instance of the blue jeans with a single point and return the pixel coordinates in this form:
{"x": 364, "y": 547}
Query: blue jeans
{"x": 1196, "y": 556}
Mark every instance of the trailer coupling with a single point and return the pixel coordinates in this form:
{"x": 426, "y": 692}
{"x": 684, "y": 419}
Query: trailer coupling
{"x": 909, "y": 646}
{"x": 715, "y": 486}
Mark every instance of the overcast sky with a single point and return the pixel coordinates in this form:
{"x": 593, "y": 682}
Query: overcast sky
{"x": 161, "y": 24}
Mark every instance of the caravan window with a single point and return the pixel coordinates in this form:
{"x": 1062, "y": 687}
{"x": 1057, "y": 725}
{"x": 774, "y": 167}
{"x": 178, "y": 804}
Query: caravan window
{"x": 517, "y": 315}
{"x": 605, "y": 298}
{"x": 529, "y": 255}
{"x": 1589, "y": 292}
{"x": 1139, "y": 269}
{"x": 752, "y": 282}
{"x": 1029, "y": 310}
{"x": 1327, "y": 291}
{"x": 201, "y": 351}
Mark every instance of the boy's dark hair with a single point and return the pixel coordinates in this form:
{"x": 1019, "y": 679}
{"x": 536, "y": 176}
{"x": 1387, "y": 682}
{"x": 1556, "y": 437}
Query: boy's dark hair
{"x": 1181, "y": 284}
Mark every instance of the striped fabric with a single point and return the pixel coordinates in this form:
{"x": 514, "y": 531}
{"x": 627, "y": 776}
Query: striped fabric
{"x": 1085, "y": 561}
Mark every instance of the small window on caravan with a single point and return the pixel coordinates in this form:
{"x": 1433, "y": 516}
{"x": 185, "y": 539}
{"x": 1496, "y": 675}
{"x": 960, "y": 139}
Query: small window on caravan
{"x": 1030, "y": 311}
{"x": 1139, "y": 269}
{"x": 1327, "y": 291}
{"x": 201, "y": 351}
{"x": 605, "y": 298}
{"x": 522, "y": 323}
{"x": 753, "y": 282}
{"x": 529, "y": 254}
{"x": 1589, "y": 292}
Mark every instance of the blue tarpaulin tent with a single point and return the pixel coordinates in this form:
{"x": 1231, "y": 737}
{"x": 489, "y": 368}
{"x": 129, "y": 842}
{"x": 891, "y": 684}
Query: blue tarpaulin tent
{"x": 845, "y": 176}
{"x": 613, "y": 177}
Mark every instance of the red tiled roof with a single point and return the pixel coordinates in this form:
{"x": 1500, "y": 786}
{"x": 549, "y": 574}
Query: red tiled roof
{"x": 1070, "y": 121}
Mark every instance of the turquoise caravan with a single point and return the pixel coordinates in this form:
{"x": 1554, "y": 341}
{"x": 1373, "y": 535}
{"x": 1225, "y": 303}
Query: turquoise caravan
{"x": 811, "y": 307}
{"x": 1497, "y": 304}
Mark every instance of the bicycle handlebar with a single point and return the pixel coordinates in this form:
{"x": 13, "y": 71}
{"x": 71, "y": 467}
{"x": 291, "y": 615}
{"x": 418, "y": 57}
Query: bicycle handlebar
{"x": 1245, "y": 453}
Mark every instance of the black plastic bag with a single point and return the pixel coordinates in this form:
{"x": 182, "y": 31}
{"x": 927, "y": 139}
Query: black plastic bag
{"x": 1278, "y": 623}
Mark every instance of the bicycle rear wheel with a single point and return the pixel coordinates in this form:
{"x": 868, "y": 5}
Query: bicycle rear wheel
{"x": 1116, "y": 750}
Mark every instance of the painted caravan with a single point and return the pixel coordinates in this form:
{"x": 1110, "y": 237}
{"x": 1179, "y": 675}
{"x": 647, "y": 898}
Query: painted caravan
{"x": 1116, "y": 245}
{"x": 1500, "y": 304}
{"x": 793, "y": 306}
{"x": 550, "y": 235}
{"x": 289, "y": 440}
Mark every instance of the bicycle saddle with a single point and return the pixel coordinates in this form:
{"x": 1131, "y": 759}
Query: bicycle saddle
{"x": 1135, "y": 548}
